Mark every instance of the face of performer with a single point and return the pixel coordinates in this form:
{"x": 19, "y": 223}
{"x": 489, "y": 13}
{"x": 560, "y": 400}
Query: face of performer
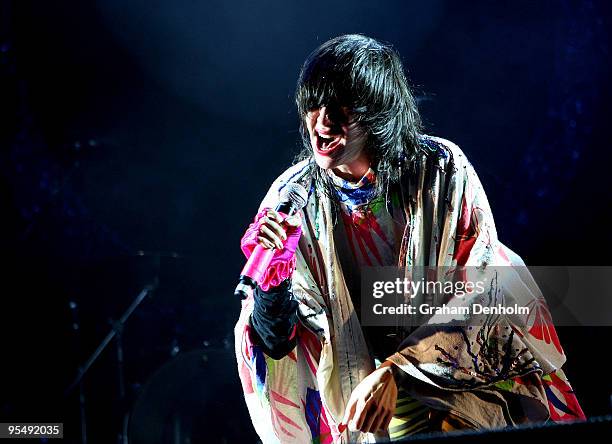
{"x": 337, "y": 141}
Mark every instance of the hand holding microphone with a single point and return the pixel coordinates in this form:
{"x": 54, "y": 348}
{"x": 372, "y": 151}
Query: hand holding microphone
{"x": 278, "y": 232}
{"x": 270, "y": 242}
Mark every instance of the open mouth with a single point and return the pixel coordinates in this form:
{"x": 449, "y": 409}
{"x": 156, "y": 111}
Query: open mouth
{"x": 325, "y": 143}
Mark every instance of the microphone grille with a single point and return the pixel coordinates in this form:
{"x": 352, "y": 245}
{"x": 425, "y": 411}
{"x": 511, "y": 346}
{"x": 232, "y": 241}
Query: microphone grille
{"x": 294, "y": 193}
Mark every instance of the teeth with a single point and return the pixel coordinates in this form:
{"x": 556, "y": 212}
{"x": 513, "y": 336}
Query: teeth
{"x": 325, "y": 141}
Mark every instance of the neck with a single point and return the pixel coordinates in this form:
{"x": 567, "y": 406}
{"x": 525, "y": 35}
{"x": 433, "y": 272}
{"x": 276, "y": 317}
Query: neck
{"x": 354, "y": 170}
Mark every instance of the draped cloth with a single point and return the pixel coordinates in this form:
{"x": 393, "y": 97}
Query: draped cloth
{"x": 494, "y": 372}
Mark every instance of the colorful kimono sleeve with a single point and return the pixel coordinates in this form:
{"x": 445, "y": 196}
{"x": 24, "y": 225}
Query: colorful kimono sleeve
{"x": 283, "y": 395}
{"x": 472, "y": 369}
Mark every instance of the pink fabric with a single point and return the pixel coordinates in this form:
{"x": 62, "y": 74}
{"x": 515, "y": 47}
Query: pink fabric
{"x": 283, "y": 262}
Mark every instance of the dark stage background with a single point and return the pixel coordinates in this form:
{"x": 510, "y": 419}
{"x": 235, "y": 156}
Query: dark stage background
{"x": 137, "y": 139}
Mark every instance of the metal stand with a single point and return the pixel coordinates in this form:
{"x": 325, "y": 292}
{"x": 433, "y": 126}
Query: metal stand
{"x": 115, "y": 332}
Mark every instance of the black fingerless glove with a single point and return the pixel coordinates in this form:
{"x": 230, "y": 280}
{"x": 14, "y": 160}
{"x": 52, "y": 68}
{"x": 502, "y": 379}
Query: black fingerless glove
{"x": 274, "y": 320}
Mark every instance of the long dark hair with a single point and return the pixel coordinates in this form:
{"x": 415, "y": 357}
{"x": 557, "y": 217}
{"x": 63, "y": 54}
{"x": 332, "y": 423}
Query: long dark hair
{"x": 366, "y": 76}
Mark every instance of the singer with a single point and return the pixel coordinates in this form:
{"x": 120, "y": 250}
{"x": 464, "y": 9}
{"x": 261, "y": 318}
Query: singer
{"x": 380, "y": 192}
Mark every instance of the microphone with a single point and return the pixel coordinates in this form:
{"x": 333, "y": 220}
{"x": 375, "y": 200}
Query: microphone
{"x": 293, "y": 198}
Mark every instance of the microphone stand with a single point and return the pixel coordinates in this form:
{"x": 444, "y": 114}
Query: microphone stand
{"x": 115, "y": 332}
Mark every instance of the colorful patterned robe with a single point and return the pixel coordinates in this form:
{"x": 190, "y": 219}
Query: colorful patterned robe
{"x": 477, "y": 372}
